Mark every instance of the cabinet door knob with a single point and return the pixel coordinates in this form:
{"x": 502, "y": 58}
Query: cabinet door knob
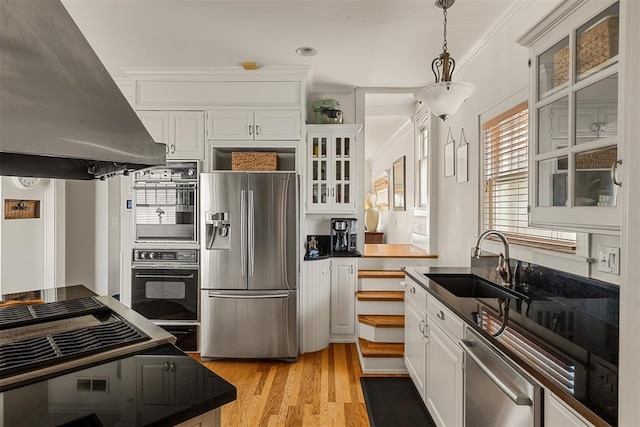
{"x": 440, "y": 315}
{"x": 614, "y": 174}
{"x": 257, "y": 129}
{"x": 167, "y": 366}
{"x": 413, "y": 290}
{"x": 250, "y": 129}
{"x": 421, "y": 327}
{"x": 173, "y": 367}
{"x": 173, "y": 148}
{"x": 166, "y": 149}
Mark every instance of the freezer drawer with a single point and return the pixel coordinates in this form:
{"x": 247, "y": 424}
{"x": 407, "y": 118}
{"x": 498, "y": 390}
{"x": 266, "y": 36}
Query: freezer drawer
{"x": 249, "y": 324}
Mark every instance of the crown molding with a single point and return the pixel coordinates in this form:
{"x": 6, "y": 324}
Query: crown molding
{"x": 515, "y": 8}
{"x": 266, "y": 73}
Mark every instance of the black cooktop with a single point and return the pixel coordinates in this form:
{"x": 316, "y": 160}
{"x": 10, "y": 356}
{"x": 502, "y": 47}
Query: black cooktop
{"x": 22, "y": 315}
{"x": 41, "y": 335}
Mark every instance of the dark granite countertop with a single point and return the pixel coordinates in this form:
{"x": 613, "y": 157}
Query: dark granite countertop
{"x": 578, "y": 323}
{"x": 132, "y": 391}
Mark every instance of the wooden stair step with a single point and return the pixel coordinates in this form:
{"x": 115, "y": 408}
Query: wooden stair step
{"x": 380, "y": 295}
{"x": 380, "y": 274}
{"x": 382, "y": 320}
{"x": 380, "y": 349}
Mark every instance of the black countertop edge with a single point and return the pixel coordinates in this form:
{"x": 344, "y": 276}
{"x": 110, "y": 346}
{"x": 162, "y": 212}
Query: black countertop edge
{"x": 455, "y": 304}
{"x": 335, "y": 255}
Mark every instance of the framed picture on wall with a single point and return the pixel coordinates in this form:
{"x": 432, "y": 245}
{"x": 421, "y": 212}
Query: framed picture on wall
{"x": 398, "y": 184}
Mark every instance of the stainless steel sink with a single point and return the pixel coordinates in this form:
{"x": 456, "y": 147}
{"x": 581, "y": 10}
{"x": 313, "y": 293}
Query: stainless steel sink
{"x": 471, "y": 286}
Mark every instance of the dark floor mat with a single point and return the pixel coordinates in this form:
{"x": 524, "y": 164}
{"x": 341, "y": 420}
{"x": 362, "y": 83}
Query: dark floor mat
{"x": 394, "y": 401}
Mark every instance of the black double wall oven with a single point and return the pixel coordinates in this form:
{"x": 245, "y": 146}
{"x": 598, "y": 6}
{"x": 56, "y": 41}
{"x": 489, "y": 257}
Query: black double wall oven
{"x": 165, "y": 261}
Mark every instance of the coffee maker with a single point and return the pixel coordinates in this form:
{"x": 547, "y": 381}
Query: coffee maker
{"x": 344, "y": 232}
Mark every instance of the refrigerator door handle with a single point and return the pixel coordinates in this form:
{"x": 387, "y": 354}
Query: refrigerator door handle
{"x": 258, "y": 296}
{"x": 251, "y": 237}
{"x": 243, "y": 232}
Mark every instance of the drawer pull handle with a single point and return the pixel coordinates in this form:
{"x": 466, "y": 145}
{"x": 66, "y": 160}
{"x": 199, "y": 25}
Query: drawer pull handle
{"x": 421, "y": 327}
{"x": 440, "y": 315}
{"x": 413, "y": 290}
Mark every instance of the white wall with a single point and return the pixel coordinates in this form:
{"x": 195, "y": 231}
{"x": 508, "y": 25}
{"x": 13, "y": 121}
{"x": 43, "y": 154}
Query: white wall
{"x": 22, "y": 263}
{"x": 80, "y": 233}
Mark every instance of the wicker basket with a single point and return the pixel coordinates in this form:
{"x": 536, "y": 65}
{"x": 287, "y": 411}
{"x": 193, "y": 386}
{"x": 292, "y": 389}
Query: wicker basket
{"x": 21, "y": 209}
{"x": 561, "y": 66}
{"x": 598, "y": 159}
{"x": 598, "y": 43}
{"x": 595, "y": 45}
{"x": 254, "y": 161}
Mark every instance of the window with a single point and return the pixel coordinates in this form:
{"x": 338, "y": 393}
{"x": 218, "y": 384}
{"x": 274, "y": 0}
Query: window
{"x": 506, "y": 183}
{"x": 422, "y": 154}
{"x": 381, "y": 189}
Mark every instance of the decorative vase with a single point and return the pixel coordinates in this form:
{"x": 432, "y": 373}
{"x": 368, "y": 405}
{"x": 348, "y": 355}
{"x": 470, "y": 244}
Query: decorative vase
{"x": 371, "y": 217}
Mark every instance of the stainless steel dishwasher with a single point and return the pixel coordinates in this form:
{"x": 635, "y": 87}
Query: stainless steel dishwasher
{"x": 496, "y": 393}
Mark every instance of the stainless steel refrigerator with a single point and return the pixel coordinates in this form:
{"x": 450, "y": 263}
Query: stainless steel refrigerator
{"x": 249, "y": 262}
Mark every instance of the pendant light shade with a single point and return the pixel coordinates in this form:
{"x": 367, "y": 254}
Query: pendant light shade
{"x": 444, "y": 97}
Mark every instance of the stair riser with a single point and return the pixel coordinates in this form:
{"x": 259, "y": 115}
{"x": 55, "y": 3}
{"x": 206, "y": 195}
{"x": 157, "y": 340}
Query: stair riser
{"x": 380, "y": 307}
{"x": 368, "y": 332}
{"x": 368, "y": 284}
{"x": 381, "y": 365}
{"x": 387, "y": 263}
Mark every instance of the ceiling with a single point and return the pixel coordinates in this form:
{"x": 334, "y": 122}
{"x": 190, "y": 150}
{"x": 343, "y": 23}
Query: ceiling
{"x": 359, "y": 43}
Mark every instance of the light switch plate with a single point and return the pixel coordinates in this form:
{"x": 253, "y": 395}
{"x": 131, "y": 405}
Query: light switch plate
{"x": 609, "y": 259}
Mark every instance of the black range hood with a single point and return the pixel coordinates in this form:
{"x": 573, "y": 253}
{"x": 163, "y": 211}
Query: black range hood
{"x": 61, "y": 113}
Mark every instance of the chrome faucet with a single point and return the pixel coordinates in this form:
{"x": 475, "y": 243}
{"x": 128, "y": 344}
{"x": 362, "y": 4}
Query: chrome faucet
{"x": 504, "y": 270}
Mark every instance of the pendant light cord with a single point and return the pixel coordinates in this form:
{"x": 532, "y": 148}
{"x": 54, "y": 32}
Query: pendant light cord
{"x": 444, "y": 44}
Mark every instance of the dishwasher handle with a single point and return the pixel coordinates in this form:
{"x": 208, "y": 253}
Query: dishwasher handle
{"x": 517, "y": 397}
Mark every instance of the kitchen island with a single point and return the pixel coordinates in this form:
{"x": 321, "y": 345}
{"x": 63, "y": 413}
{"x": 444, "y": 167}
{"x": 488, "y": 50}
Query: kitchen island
{"x": 154, "y": 384}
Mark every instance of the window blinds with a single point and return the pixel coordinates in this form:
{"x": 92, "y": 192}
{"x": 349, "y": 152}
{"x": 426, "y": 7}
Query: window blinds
{"x": 506, "y": 182}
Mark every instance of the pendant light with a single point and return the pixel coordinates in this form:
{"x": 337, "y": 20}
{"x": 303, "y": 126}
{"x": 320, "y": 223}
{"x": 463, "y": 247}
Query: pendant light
{"x": 444, "y": 97}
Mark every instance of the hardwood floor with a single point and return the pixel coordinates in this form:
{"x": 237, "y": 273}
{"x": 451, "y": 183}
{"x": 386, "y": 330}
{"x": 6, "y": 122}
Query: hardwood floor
{"x": 320, "y": 389}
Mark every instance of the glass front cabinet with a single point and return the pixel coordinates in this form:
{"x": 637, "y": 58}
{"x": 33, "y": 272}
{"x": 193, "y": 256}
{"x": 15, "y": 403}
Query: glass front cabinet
{"x": 331, "y": 168}
{"x": 575, "y": 162}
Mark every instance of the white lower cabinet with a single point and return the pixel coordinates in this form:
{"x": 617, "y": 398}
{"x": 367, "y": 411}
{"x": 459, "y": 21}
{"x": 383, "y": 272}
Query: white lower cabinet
{"x": 415, "y": 336}
{"x": 445, "y": 380}
{"x": 558, "y": 414}
{"x": 433, "y": 357}
{"x": 315, "y": 310}
{"x": 343, "y": 296}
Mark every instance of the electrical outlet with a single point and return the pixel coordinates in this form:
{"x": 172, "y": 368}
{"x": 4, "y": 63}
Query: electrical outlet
{"x": 609, "y": 259}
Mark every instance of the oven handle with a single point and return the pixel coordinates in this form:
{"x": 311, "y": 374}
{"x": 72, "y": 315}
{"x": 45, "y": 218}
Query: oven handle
{"x": 164, "y": 276}
{"x": 517, "y": 397}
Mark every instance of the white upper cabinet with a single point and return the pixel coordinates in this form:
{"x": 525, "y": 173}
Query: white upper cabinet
{"x": 254, "y": 124}
{"x": 181, "y": 131}
{"x": 332, "y": 175}
{"x": 574, "y": 118}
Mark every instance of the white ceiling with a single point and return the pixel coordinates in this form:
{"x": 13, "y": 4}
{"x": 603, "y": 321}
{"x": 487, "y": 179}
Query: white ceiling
{"x": 360, "y": 43}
